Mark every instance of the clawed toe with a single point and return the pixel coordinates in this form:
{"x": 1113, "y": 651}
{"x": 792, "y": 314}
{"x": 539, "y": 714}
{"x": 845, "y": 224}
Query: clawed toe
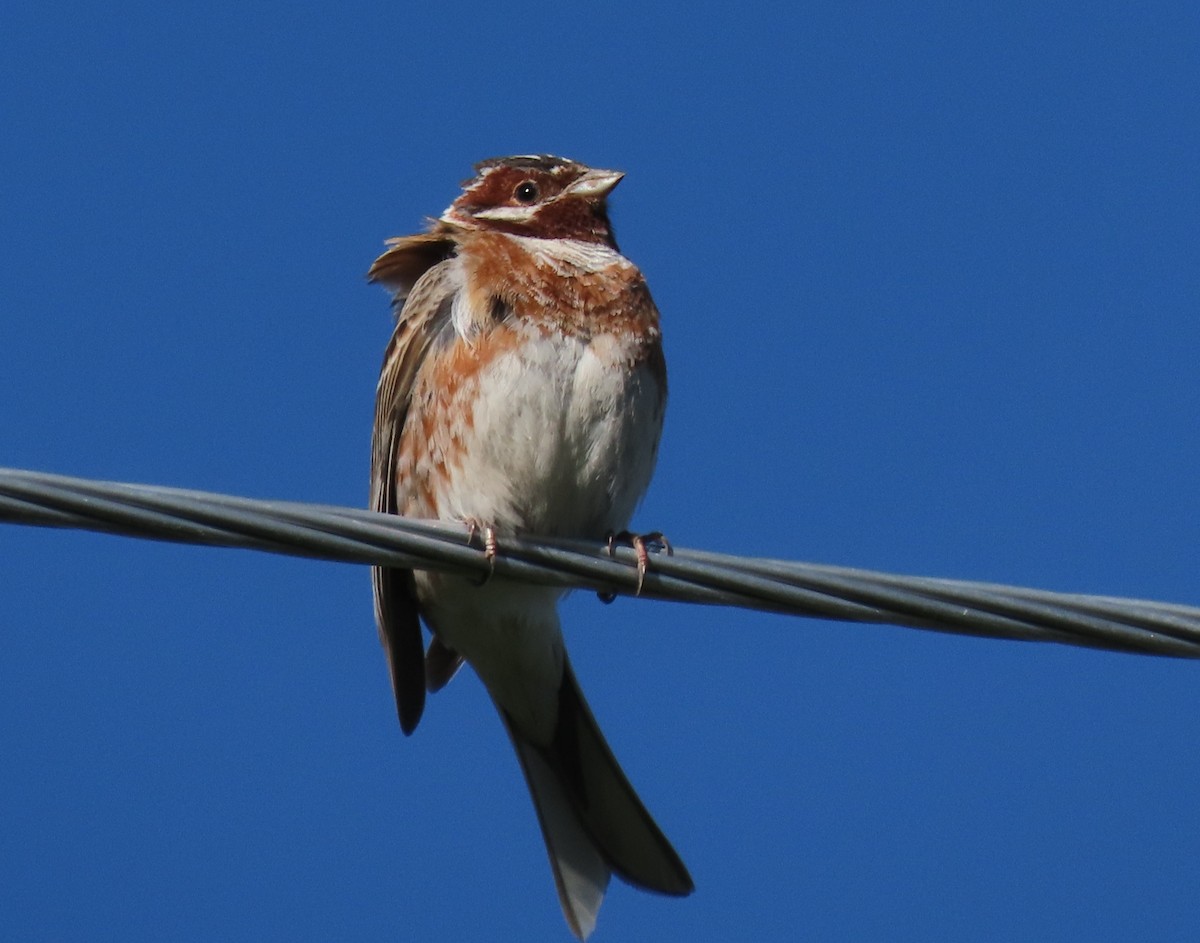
{"x": 641, "y": 544}
{"x": 490, "y": 545}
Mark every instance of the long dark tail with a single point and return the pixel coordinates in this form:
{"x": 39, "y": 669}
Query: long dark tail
{"x": 593, "y": 822}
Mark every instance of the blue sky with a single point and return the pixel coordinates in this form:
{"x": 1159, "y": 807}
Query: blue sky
{"x": 930, "y": 286}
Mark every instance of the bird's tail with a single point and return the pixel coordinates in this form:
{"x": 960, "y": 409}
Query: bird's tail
{"x": 593, "y": 822}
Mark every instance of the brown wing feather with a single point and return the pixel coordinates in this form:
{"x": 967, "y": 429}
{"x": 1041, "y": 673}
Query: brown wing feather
{"x": 408, "y": 258}
{"x": 423, "y": 316}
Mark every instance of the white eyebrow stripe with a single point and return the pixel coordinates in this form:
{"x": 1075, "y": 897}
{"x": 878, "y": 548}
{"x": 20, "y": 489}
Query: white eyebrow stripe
{"x": 511, "y": 214}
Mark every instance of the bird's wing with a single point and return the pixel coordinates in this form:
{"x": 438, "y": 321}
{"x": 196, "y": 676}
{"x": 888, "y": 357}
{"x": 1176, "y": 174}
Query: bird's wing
{"x": 419, "y": 269}
{"x": 407, "y": 259}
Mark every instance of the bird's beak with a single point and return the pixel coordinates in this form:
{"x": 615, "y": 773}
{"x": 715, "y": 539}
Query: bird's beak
{"x": 596, "y": 184}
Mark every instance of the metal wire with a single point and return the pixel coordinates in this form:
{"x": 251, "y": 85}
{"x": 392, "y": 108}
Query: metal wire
{"x": 803, "y": 589}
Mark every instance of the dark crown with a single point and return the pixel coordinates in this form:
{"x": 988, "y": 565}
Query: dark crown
{"x": 545, "y": 162}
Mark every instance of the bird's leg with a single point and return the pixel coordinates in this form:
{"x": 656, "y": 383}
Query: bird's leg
{"x": 490, "y": 546}
{"x": 641, "y": 544}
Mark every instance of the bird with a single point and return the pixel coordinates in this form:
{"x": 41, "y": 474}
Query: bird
{"x": 522, "y": 392}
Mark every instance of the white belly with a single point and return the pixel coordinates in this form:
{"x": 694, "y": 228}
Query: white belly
{"x": 563, "y": 443}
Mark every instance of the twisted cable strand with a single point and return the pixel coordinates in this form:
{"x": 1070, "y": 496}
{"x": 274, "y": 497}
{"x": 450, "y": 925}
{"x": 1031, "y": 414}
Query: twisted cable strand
{"x": 359, "y": 536}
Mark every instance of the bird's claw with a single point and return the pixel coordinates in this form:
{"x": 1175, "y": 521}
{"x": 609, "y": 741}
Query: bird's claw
{"x": 490, "y": 545}
{"x": 641, "y": 544}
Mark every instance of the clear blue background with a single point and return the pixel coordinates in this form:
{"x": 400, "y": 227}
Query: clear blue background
{"x": 930, "y": 276}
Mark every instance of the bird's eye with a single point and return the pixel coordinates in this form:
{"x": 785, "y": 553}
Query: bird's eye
{"x": 526, "y": 192}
